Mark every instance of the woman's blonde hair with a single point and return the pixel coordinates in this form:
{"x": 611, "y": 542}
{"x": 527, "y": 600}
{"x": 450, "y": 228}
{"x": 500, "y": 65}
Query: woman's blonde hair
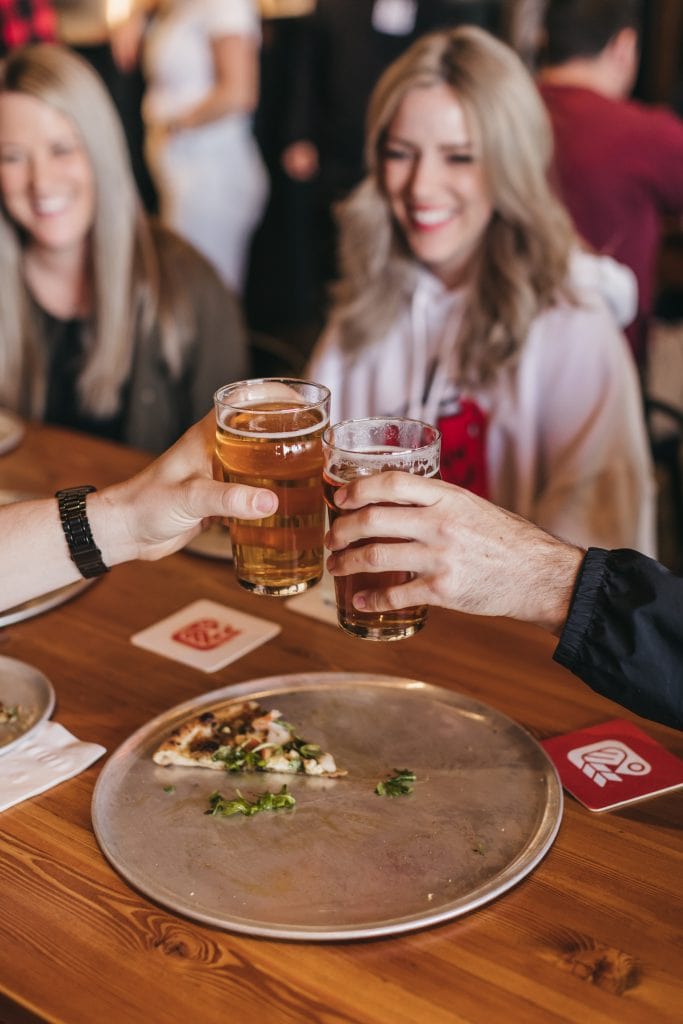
{"x": 523, "y": 259}
{"x": 124, "y": 272}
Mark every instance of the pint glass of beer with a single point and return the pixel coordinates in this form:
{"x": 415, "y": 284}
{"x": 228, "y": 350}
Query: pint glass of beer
{"x": 360, "y": 448}
{"x": 268, "y": 434}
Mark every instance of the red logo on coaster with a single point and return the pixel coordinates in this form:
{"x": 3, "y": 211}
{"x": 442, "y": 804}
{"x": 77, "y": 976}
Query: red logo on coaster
{"x": 205, "y": 634}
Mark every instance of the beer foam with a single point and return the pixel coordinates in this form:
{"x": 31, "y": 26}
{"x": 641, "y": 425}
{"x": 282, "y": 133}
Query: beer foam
{"x": 378, "y": 459}
{"x": 272, "y": 435}
{"x": 264, "y": 435}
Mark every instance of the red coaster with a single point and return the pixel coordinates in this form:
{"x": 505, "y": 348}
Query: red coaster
{"x": 613, "y": 764}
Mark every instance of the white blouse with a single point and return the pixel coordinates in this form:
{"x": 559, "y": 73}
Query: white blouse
{"x": 178, "y": 62}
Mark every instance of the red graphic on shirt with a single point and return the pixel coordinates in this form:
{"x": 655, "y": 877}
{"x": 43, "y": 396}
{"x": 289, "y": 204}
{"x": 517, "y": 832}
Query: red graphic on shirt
{"x": 390, "y": 438}
{"x": 205, "y": 634}
{"x": 463, "y": 447}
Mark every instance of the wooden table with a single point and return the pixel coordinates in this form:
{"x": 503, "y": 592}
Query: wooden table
{"x": 592, "y": 935}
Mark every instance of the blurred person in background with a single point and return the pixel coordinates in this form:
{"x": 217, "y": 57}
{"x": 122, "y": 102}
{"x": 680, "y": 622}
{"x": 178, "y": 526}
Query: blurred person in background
{"x": 26, "y": 21}
{"x": 525, "y": 28}
{"x": 201, "y": 62}
{"x": 619, "y": 163}
{"x": 107, "y": 33}
{"x": 108, "y": 323}
{"x": 339, "y": 53}
{"x": 329, "y": 104}
{"x": 466, "y": 301}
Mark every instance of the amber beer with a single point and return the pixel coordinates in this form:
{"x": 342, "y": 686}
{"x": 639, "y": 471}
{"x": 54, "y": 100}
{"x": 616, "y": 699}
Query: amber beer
{"x": 268, "y": 434}
{"x": 360, "y": 448}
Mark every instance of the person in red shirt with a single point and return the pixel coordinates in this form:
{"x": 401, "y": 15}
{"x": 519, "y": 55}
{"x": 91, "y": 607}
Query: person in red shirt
{"x": 619, "y": 163}
{"x": 26, "y": 21}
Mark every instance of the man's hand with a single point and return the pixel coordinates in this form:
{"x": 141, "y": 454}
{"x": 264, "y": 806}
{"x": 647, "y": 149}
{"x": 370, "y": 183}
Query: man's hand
{"x": 464, "y": 553}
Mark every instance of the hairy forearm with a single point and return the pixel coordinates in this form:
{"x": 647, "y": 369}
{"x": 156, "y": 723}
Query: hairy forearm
{"x": 546, "y": 576}
{"x": 461, "y": 552}
{"x": 513, "y": 569}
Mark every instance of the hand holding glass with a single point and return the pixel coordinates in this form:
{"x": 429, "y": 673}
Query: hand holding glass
{"x": 268, "y": 434}
{"x": 361, "y": 448}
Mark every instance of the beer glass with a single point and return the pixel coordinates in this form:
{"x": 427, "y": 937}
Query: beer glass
{"x": 268, "y": 434}
{"x": 360, "y": 448}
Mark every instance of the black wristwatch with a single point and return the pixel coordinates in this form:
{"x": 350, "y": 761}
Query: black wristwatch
{"x": 84, "y": 552}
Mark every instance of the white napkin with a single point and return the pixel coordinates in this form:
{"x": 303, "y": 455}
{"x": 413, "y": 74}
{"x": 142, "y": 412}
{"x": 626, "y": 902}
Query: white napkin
{"x": 48, "y": 756}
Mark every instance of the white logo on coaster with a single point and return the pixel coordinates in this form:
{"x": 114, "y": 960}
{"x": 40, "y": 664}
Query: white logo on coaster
{"x": 608, "y": 761}
{"x": 394, "y": 17}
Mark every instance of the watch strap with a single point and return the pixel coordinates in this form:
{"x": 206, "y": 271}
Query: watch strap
{"x": 82, "y": 548}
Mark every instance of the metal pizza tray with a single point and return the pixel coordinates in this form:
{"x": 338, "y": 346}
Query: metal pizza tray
{"x": 43, "y": 603}
{"x": 25, "y": 687}
{"x": 344, "y": 863}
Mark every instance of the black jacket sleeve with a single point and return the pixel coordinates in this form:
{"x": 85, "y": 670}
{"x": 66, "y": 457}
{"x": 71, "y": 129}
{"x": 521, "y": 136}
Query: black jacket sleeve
{"x": 624, "y": 633}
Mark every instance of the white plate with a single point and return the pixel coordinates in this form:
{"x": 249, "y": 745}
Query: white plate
{"x": 12, "y": 430}
{"x": 23, "y": 686}
{"x": 38, "y": 605}
{"x": 214, "y": 542}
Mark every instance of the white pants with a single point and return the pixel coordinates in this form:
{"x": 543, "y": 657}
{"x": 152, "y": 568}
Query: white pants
{"x": 213, "y": 187}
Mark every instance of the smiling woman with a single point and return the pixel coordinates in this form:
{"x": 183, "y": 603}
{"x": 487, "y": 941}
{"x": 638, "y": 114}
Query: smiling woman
{"x": 47, "y": 185}
{"x": 466, "y": 300}
{"x": 435, "y": 182}
{"x": 107, "y": 323}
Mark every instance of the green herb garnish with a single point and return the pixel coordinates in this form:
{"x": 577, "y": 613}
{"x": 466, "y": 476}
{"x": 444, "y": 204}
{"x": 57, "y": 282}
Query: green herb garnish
{"x": 241, "y": 759}
{"x": 219, "y": 805}
{"x": 169, "y": 789}
{"x": 398, "y": 784}
{"x": 307, "y": 750}
{"x": 237, "y": 759}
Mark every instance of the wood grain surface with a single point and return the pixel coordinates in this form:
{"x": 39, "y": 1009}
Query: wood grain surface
{"x": 592, "y": 935}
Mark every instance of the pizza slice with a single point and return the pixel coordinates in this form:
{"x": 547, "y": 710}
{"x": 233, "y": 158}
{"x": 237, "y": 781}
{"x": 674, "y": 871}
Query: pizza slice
{"x": 9, "y": 714}
{"x": 244, "y": 738}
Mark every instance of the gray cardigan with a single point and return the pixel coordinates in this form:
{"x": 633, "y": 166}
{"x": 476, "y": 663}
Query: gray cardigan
{"x": 158, "y": 408}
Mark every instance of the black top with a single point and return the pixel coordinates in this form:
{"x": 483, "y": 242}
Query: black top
{"x": 624, "y": 633}
{"x": 163, "y": 394}
{"x": 62, "y": 406}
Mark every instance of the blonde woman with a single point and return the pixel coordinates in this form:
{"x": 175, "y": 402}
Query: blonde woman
{"x": 201, "y": 60}
{"x": 465, "y": 300}
{"x": 107, "y": 323}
